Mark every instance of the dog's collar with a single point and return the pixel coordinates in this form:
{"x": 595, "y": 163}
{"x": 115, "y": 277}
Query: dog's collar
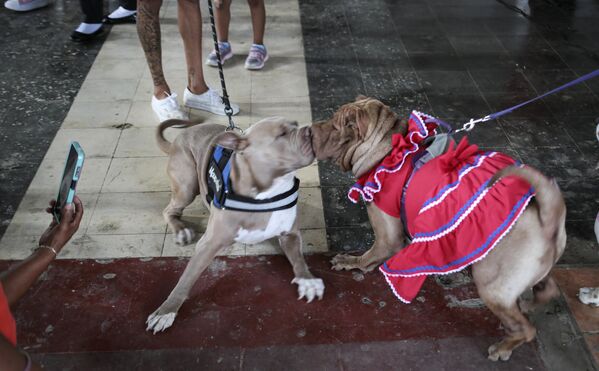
{"x": 221, "y": 195}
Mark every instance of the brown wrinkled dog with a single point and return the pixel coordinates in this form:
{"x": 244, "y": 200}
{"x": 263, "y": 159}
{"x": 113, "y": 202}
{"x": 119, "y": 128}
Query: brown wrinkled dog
{"x": 358, "y": 136}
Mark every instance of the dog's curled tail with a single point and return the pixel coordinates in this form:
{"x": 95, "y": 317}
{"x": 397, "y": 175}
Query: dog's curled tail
{"x": 164, "y": 144}
{"x": 552, "y": 208}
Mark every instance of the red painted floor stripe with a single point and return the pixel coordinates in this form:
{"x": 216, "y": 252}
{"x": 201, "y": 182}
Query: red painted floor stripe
{"x": 83, "y": 305}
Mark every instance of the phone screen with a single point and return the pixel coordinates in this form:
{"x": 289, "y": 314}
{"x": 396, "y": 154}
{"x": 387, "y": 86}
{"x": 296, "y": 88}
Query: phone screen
{"x": 67, "y": 182}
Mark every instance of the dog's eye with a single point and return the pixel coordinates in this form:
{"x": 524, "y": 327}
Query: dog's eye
{"x": 282, "y": 134}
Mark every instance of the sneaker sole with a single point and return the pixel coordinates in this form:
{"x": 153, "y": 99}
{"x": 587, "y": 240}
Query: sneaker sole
{"x": 247, "y": 67}
{"x": 224, "y": 59}
{"x": 26, "y": 7}
{"x": 208, "y": 108}
{"x": 160, "y": 119}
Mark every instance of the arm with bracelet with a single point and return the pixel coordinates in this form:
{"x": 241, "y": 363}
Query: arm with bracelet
{"x": 19, "y": 278}
{"x": 67, "y": 212}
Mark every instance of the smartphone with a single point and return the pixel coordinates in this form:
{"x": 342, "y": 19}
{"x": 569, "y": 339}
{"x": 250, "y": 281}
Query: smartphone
{"x": 70, "y": 178}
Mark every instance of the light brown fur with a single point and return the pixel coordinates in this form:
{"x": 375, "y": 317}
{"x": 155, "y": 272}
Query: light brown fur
{"x": 273, "y": 148}
{"x": 522, "y": 260}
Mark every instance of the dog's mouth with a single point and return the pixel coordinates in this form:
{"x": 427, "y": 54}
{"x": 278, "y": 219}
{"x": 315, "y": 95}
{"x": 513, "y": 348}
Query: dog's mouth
{"x": 306, "y": 146}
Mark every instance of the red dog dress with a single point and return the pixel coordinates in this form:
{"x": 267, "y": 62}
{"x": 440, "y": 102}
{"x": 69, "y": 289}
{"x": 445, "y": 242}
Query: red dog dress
{"x": 451, "y": 211}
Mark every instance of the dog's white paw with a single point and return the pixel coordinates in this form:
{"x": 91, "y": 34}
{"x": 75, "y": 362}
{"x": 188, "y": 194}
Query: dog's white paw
{"x": 185, "y": 236}
{"x": 309, "y": 288}
{"x": 496, "y": 353}
{"x": 160, "y": 322}
{"x": 589, "y": 295}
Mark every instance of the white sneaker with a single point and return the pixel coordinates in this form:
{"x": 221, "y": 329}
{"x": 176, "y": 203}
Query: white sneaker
{"x": 209, "y": 101}
{"x": 25, "y": 5}
{"x": 168, "y": 108}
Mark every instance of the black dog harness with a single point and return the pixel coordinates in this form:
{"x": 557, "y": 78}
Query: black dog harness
{"x": 221, "y": 195}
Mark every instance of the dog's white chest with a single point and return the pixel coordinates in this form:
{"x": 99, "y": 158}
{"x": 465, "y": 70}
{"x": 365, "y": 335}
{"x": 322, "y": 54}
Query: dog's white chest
{"x": 280, "y": 221}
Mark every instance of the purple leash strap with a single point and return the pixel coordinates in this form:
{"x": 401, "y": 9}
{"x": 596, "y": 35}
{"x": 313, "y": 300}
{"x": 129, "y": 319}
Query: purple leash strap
{"x": 470, "y": 124}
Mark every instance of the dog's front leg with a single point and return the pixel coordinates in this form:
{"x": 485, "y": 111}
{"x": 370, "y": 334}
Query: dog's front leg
{"x": 308, "y": 285}
{"x": 389, "y": 238}
{"x": 206, "y": 249}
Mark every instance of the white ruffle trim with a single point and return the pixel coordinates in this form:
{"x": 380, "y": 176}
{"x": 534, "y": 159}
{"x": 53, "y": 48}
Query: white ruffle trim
{"x": 368, "y": 192}
{"x": 508, "y": 229}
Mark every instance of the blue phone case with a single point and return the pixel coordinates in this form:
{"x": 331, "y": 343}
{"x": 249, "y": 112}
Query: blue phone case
{"x": 75, "y": 175}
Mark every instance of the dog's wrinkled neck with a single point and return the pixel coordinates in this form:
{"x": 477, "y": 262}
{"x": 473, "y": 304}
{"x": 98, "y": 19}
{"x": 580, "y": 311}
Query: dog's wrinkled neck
{"x": 366, "y": 154}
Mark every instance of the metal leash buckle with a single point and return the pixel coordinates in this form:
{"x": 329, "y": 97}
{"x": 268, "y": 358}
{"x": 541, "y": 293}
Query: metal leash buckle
{"x": 472, "y": 123}
{"x": 232, "y": 125}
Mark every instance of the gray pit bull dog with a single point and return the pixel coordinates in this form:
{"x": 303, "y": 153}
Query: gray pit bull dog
{"x": 263, "y": 165}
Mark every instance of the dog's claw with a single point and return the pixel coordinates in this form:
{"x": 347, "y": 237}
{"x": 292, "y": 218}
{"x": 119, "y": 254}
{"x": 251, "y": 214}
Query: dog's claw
{"x": 309, "y": 288}
{"x": 496, "y": 353}
{"x": 160, "y": 322}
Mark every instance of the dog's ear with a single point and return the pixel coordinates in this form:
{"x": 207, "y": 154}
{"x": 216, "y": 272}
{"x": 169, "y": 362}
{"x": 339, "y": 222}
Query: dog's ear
{"x": 361, "y": 97}
{"x": 232, "y": 140}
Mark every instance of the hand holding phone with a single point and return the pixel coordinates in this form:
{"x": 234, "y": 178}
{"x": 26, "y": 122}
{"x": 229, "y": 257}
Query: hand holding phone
{"x": 58, "y": 234}
{"x": 69, "y": 179}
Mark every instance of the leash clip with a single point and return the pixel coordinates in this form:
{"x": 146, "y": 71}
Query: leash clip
{"x": 472, "y": 123}
{"x": 233, "y": 127}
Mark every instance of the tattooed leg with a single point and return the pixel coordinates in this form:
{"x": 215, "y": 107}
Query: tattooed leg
{"x": 190, "y": 27}
{"x": 148, "y": 30}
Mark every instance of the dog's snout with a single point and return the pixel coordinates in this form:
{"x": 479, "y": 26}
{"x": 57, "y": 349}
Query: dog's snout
{"x": 306, "y": 132}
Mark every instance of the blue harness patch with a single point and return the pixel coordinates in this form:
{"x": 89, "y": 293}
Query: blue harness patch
{"x": 221, "y": 195}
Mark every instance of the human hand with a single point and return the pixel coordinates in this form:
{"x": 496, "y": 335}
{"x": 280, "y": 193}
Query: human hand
{"x": 58, "y": 234}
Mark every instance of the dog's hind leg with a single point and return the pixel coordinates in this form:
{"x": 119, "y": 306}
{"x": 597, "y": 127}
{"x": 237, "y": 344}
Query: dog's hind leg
{"x": 308, "y": 285}
{"x": 184, "y": 188}
{"x": 207, "y": 248}
{"x": 389, "y": 238}
{"x": 182, "y": 234}
{"x": 543, "y": 292}
{"x": 517, "y": 327}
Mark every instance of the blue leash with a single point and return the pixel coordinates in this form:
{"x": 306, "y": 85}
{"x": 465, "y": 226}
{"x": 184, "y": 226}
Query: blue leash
{"x": 470, "y": 124}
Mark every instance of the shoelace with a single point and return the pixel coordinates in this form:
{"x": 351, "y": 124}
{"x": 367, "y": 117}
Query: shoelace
{"x": 215, "y": 98}
{"x": 257, "y": 54}
{"x": 222, "y": 48}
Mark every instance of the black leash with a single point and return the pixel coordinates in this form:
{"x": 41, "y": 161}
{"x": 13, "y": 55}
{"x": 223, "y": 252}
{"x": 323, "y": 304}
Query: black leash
{"x": 225, "y": 97}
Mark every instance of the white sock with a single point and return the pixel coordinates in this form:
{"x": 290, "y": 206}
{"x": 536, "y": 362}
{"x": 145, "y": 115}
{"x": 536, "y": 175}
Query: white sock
{"x": 121, "y": 12}
{"x": 88, "y": 28}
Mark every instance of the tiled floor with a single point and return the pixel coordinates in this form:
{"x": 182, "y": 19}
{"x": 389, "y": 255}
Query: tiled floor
{"x": 124, "y": 170}
{"x": 456, "y": 60}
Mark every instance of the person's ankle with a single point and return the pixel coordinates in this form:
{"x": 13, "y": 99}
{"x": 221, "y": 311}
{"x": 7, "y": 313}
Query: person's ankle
{"x": 197, "y": 90}
{"x": 162, "y": 93}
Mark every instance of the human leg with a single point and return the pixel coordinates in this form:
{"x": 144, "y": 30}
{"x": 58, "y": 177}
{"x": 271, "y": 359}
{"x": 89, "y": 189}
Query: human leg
{"x": 190, "y": 27}
{"x": 222, "y": 17}
{"x": 258, "y": 13}
{"x": 258, "y": 54}
{"x": 148, "y": 30}
{"x": 197, "y": 95}
{"x": 164, "y": 103}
